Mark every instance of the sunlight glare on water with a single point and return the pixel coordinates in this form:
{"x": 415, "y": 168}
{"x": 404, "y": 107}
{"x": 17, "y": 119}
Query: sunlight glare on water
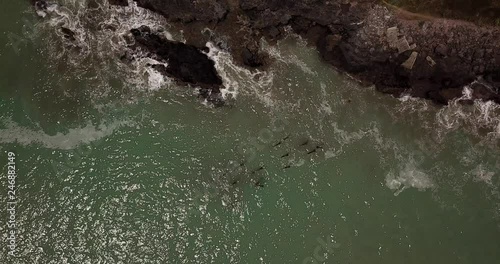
{"x": 117, "y": 165}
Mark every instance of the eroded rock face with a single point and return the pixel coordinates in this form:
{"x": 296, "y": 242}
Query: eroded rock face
{"x": 439, "y": 57}
{"x": 185, "y": 63}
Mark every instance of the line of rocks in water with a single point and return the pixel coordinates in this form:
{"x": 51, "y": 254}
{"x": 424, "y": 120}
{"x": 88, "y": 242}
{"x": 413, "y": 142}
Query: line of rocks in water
{"x": 424, "y": 57}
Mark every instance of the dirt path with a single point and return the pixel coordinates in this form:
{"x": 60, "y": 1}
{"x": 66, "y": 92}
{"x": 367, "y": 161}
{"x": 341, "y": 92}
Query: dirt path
{"x": 405, "y": 14}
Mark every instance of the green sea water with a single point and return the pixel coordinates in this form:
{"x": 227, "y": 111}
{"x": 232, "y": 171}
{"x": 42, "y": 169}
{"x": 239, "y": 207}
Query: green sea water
{"x": 117, "y": 165}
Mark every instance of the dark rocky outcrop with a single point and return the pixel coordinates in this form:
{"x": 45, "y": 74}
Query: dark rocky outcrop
{"x": 185, "y": 63}
{"x": 68, "y": 33}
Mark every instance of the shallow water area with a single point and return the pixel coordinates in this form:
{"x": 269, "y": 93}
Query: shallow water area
{"x": 117, "y": 164}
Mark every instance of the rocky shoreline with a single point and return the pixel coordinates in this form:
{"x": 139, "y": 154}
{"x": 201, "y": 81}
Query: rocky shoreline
{"x": 398, "y": 52}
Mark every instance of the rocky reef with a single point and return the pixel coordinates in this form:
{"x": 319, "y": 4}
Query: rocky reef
{"x": 397, "y": 51}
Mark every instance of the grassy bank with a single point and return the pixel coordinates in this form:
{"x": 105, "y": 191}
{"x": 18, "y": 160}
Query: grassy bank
{"x": 478, "y": 11}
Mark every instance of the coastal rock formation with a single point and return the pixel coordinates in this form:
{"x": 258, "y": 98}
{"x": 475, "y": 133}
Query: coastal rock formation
{"x": 184, "y": 63}
{"x": 398, "y": 52}
{"x": 424, "y": 57}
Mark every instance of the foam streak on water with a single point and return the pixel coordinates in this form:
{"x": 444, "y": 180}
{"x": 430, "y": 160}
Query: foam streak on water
{"x": 13, "y": 133}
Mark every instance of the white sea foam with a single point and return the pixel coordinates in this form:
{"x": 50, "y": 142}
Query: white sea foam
{"x": 237, "y": 79}
{"x": 408, "y": 172}
{"x": 325, "y": 103}
{"x": 412, "y": 104}
{"x": 14, "y": 133}
{"x": 145, "y": 77}
{"x": 156, "y": 80}
{"x": 482, "y": 115}
{"x": 481, "y": 174}
{"x": 345, "y": 137}
{"x": 101, "y": 38}
{"x": 480, "y": 119}
{"x": 409, "y": 176}
{"x": 277, "y": 54}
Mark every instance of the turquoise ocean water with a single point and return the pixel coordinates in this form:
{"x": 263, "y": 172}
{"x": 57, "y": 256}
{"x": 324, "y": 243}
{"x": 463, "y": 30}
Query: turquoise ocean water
{"x": 117, "y": 164}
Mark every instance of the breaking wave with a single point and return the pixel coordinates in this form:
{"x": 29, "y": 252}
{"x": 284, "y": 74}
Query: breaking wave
{"x": 409, "y": 176}
{"x": 96, "y": 40}
{"x": 478, "y": 118}
{"x": 237, "y": 79}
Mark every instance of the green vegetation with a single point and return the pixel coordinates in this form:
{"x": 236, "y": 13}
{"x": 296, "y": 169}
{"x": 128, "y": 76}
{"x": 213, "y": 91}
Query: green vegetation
{"x": 479, "y": 11}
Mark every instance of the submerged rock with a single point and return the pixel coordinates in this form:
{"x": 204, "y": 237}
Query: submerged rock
{"x": 68, "y": 33}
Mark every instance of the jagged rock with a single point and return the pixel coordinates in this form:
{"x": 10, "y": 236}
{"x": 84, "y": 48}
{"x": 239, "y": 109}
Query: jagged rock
{"x": 392, "y": 36}
{"x": 430, "y": 61}
{"x": 39, "y": 4}
{"x": 403, "y": 45}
